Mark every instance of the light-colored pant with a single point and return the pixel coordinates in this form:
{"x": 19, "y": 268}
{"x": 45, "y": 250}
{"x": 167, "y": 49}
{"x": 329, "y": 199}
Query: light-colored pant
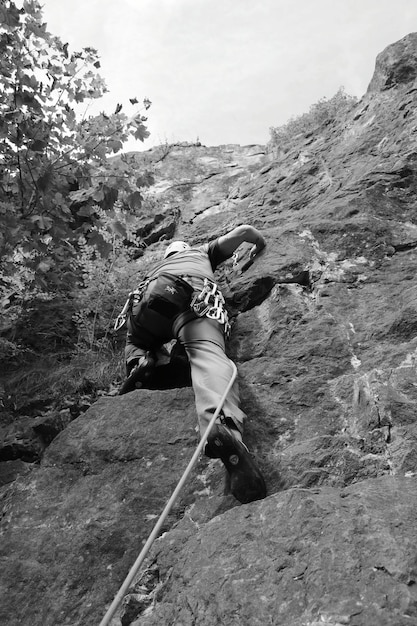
{"x": 211, "y": 371}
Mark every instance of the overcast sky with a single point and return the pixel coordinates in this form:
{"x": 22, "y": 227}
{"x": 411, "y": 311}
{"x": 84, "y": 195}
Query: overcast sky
{"x": 225, "y": 71}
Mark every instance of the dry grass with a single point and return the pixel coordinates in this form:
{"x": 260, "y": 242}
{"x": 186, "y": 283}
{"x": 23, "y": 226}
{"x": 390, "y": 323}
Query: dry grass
{"x": 50, "y": 381}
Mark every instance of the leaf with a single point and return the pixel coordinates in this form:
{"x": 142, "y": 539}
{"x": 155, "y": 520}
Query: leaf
{"x": 119, "y": 107}
{"x": 133, "y": 100}
{"x": 135, "y": 200}
{"x": 117, "y": 228}
{"x": 44, "y": 180}
{"x": 38, "y": 145}
{"x": 45, "y": 266}
{"x": 110, "y": 197}
{"x": 29, "y": 81}
{"x": 86, "y": 211}
{"x": 9, "y": 16}
{"x": 99, "y": 194}
{"x": 114, "y": 145}
{"x": 141, "y": 133}
{"x": 42, "y": 221}
{"x": 145, "y": 180}
{"x": 97, "y": 240}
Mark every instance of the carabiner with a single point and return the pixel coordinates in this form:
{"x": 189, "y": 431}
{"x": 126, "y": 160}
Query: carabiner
{"x": 120, "y": 321}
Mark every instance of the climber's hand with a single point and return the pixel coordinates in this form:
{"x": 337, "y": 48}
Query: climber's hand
{"x": 257, "y": 248}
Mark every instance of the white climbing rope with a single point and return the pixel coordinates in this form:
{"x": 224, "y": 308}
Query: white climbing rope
{"x": 134, "y": 569}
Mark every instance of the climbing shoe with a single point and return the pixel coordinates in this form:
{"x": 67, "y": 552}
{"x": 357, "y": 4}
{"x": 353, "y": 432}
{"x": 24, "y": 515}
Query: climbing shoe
{"x": 139, "y": 374}
{"x": 246, "y": 481}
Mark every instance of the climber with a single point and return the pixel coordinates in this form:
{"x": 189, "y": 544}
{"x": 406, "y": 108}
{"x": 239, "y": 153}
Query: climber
{"x": 180, "y": 299}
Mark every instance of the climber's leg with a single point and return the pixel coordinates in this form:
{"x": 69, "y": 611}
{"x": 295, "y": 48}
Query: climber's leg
{"x": 140, "y": 364}
{"x": 140, "y": 358}
{"x": 211, "y": 371}
{"x": 133, "y": 354}
{"x": 245, "y": 479}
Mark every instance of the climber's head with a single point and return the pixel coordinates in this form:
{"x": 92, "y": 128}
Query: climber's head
{"x": 176, "y": 246}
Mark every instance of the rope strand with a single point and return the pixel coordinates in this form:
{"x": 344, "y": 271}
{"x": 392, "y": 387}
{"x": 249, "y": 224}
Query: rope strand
{"x": 133, "y": 571}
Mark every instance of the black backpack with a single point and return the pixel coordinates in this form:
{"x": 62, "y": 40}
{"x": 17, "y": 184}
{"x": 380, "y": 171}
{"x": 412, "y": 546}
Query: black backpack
{"x": 152, "y": 316}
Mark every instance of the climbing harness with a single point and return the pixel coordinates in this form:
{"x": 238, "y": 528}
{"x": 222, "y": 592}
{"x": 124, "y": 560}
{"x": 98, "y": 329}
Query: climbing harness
{"x": 133, "y": 571}
{"x": 209, "y": 302}
{"x": 166, "y": 295}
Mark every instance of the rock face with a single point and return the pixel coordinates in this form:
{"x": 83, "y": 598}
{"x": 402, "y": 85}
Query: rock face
{"x": 325, "y": 339}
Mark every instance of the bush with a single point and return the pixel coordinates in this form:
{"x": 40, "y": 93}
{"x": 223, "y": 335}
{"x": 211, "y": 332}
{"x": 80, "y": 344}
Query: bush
{"x": 57, "y": 181}
{"x": 67, "y": 208}
{"x": 320, "y": 114}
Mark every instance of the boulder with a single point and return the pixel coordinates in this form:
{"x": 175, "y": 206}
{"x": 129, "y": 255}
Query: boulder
{"x": 301, "y": 557}
{"x": 73, "y": 526}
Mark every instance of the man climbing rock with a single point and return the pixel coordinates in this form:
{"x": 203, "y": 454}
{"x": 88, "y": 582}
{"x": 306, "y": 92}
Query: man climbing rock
{"x": 180, "y": 299}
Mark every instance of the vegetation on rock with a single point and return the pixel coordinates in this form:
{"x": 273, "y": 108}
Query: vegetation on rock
{"x": 325, "y": 111}
{"x": 65, "y": 207}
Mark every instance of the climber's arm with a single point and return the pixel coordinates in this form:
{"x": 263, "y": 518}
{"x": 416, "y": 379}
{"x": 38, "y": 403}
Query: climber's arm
{"x": 228, "y": 243}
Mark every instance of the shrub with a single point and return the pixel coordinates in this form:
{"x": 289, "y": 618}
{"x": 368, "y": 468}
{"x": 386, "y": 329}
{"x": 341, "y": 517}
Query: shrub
{"x": 320, "y": 114}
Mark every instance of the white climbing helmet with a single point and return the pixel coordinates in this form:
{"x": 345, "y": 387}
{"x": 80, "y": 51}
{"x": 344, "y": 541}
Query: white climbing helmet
{"x": 176, "y": 246}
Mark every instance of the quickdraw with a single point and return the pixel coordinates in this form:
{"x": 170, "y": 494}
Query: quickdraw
{"x": 209, "y": 302}
{"x": 133, "y": 298}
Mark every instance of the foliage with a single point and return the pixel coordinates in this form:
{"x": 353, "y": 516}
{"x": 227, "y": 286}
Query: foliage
{"x": 80, "y": 319}
{"x": 321, "y": 113}
{"x": 54, "y": 166}
{"x": 105, "y": 284}
{"x": 66, "y": 207}
{"x": 45, "y": 325}
{"x": 55, "y": 383}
